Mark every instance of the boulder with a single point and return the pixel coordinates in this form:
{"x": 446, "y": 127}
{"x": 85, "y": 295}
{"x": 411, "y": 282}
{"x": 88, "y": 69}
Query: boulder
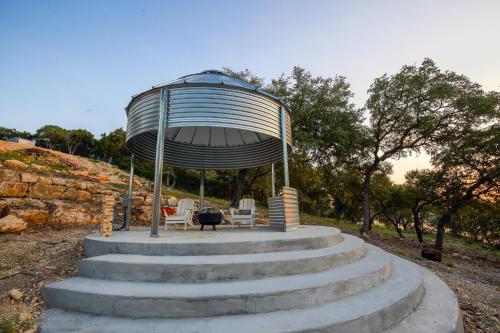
{"x": 12, "y": 224}
{"x": 39, "y": 168}
{"x": 83, "y": 196}
{"x": 24, "y": 316}
{"x": 61, "y": 205}
{"x": 58, "y": 181}
{"x": 64, "y": 213}
{"x": 142, "y": 214}
{"x": 15, "y": 294}
{"x": 35, "y": 203}
{"x": 137, "y": 201}
{"x": 7, "y": 174}
{"x": 45, "y": 180}
{"x": 13, "y": 189}
{"x": 3, "y": 204}
{"x": 64, "y": 217}
{"x": 21, "y": 203}
{"x": 93, "y": 187}
{"x": 29, "y": 177}
{"x": 34, "y": 217}
{"x": 15, "y": 164}
{"x": 42, "y": 191}
{"x": 70, "y": 194}
{"x": 172, "y": 201}
{"x": 80, "y": 185}
{"x": 70, "y": 182}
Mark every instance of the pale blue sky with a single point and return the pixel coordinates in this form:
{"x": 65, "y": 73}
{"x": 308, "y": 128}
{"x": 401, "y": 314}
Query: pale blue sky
{"x": 76, "y": 63}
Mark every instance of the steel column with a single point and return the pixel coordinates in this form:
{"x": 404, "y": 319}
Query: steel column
{"x": 160, "y": 141}
{"x": 285, "y": 150}
{"x": 273, "y": 190}
{"x": 128, "y": 214}
{"x": 202, "y": 189}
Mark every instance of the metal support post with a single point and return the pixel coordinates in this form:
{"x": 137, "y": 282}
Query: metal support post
{"x": 285, "y": 148}
{"x": 202, "y": 189}
{"x": 160, "y": 140}
{"x": 128, "y": 213}
{"x": 273, "y": 189}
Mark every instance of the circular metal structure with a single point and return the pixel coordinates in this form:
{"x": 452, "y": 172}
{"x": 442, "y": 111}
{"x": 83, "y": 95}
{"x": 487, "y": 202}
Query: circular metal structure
{"x": 212, "y": 121}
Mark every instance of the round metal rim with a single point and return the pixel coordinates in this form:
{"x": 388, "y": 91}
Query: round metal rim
{"x": 262, "y": 108}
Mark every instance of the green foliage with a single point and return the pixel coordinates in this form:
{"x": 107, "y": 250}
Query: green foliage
{"x": 8, "y": 133}
{"x": 309, "y": 182}
{"x": 12, "y": 325}
{"x": 409, "y": 111}
{"x": 393, "y": 203}
{"x": 422, "y": 185}
{"x": 340, "y": 163}
{"x": 112, "y": 146}
{"x": 51, "y": 136}
{"x": 75, "y": 142}
{"x": 327, "y": 126}
{"x": 327, "y": 134}
{"x": 480, "y": 221}
{"x": 409, "y": 107}
{"x": 344, "y": 185}
{"x": 13, "y": 155}
{"x": 80, "y": 142}
{"x": 9, "y": 326}
{"x": 245, "y": 75}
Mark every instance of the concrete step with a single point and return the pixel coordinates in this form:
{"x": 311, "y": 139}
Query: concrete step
{"x": 224, "y": 242}
{"x": 438, "y": 312}
{"x": 202, "y": 269}
{"x": 370, "y": 311}
{"x": 176, "y": 300}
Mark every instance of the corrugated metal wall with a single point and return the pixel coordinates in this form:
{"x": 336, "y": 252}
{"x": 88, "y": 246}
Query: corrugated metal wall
{"x": 209, "y": 107}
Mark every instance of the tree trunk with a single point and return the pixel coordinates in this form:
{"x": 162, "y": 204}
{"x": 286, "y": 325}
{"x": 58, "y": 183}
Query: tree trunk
{"x": 446, "y": 217}
{"x": 372, "y": 218}
{"x": 443, "y": 222}
{"x": 366, "y": 204}
{"x": 398, "y": 230}
{"x": 239, "y": 189}
{"x": 417, "y": 224}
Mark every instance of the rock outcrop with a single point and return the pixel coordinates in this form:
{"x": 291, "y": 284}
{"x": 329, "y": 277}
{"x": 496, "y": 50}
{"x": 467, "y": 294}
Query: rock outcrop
{"x": 15, "y": 164}
{"x": 39, "y": 198}
{"x": 34, "y": 195}
{"x": 12, "y": 224}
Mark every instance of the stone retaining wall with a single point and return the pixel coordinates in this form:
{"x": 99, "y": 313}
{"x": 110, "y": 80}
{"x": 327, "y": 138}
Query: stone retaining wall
{"x": 41, "y": 198}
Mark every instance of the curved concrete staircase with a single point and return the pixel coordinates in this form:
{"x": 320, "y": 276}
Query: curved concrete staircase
{"x": 312, "y": 280}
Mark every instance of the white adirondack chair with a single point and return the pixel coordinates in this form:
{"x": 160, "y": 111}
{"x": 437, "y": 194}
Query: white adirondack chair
{"x": 236, "y": 217}
{"x": 183, "y": 213}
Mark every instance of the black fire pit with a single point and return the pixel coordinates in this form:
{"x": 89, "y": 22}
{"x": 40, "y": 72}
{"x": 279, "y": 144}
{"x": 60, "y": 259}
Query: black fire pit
{"x": 209, "y": 216}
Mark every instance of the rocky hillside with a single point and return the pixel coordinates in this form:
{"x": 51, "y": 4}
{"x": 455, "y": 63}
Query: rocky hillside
{"x": 41, "y": 187}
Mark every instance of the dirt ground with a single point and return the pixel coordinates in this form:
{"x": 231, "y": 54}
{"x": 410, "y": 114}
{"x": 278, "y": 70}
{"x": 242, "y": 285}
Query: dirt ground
{"x": 473, "y": 276}
{"x": 32, "y": 260}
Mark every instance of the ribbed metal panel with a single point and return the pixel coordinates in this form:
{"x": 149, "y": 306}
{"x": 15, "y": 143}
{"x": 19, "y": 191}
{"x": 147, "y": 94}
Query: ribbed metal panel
{"x": 215, "y": 108}
{"x": 284, "y": 210}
